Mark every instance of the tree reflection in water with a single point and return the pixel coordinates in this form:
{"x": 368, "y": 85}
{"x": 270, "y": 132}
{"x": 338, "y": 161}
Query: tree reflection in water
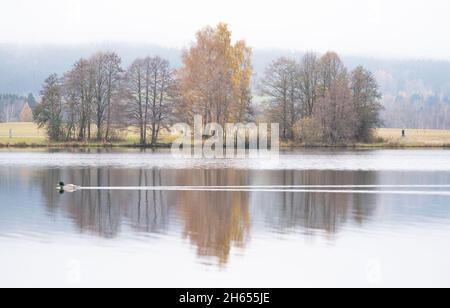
{"x": 316, "y": 211}
{"x": 214, "y": 222}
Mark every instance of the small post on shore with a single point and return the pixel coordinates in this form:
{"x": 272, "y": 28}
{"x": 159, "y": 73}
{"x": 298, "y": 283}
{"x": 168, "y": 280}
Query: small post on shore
{"x": 10, "y": 133}
{"x": 403, "y": 133}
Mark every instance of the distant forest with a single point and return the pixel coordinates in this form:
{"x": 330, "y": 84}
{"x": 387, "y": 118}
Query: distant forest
{"x": 415, "y": 93}
{"x": 13, "y": 108}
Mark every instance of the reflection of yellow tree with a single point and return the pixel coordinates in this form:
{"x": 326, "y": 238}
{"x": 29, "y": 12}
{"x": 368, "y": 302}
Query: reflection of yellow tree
{"x": 216, "y": 221}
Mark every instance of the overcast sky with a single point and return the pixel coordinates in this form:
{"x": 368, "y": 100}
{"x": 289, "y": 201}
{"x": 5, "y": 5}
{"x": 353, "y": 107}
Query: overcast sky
{"x": 382, "y": 28}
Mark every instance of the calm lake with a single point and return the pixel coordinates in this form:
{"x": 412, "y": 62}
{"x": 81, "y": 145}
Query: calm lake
{"x": 224, "y": 239}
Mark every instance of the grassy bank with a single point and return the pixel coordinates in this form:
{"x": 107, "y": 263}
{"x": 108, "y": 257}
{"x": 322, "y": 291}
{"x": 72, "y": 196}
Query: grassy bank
{"x": 21, "y": 134}
{"x": 392, "y": 138}
{"x": 414, "y": 138}
{"x": 29, "y": 135}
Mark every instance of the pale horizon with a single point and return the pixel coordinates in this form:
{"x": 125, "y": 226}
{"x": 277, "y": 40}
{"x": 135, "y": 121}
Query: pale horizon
{"x": 378, "y": 28}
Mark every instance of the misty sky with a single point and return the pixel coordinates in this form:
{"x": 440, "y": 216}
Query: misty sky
{"x": 382, "y": 28}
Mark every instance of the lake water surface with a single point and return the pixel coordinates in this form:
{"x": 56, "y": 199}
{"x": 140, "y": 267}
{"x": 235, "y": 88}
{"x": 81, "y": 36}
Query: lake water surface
{"x": 223, "y": 239}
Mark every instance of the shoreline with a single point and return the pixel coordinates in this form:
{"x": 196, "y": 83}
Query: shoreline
{"x": 28, "y": 135}
{"x": 72, "y": 145}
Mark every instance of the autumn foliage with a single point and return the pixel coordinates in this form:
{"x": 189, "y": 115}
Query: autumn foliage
{"x": 215, "y": 78}
{"x": 315, "y": 100}
{"x": 26, "y": 115}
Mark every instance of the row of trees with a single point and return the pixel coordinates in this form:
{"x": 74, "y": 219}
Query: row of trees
{"x": 14, "y": 108}
{"x": 98, "y": 97}
{"x": 317, "y": 100}
{"x": 314, "y": 100}
{"x": 419, "y": 111}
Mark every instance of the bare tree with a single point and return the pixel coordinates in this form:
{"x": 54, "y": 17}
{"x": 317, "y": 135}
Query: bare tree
{"x": 331, "y": 69}
{"x": 137, "y": 82}
{"x": 10, "y": 107}
{"x": 9, "y": 112}
{"x": 149, "y": 82}
{"x": 281, "y": 85}
{"x": 79, "y": 85}
{"x": 107, "y": 74}
{"x": 335, "y": 114}
{"x": 114, "y": 79}
{"x": 70, "y": 107}
{"x": 161, "y": 82}
{"x": 309, "y": 80}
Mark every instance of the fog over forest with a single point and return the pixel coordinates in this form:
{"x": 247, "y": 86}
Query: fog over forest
{"x": 416, "y": 93}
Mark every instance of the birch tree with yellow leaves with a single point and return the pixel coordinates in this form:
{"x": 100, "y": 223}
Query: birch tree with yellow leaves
{"x": 216, "y": 76}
